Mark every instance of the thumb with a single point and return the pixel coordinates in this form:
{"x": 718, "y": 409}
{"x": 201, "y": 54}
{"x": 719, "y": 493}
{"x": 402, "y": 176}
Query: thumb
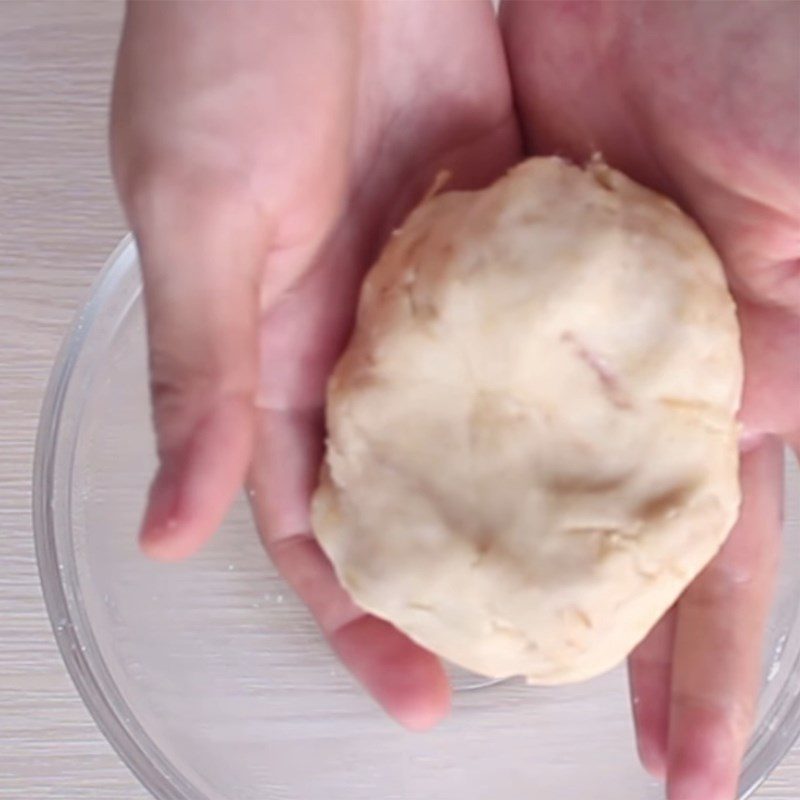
{"x": 200, "y": 265}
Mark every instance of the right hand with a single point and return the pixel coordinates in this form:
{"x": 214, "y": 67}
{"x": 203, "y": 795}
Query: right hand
{"x": 262, "y": 152}
{"x": 699, "y": 101}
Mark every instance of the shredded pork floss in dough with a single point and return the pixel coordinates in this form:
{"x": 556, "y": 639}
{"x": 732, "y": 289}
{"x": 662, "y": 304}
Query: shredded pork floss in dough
{"x": 531, "y": 445}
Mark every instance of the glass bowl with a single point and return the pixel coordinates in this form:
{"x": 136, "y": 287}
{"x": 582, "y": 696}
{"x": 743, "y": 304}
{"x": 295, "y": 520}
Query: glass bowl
{"x": 211, "y": 680}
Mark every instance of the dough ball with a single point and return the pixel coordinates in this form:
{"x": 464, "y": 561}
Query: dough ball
{"x": 531, "y": 438}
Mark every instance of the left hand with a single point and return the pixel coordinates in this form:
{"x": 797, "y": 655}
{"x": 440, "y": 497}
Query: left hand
{"x": 699, "y": 101}
{"x": 263, "y": 152}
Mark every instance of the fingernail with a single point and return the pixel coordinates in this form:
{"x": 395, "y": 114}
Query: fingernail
{"x": 703, "y": 769}
{"x": 160, "y": 522}
{"x": 695, "y": 789}
{"x": 749, "y": 440}
{"x": 653, "y": 759}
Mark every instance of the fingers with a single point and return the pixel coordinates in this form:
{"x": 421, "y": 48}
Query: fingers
{"x": 301, "y": 336}
{"x": 406, "y": 680}
{"x": 200, "y": 255}
{"x": 717, "y": 657}
{"x": 650, "y": 673}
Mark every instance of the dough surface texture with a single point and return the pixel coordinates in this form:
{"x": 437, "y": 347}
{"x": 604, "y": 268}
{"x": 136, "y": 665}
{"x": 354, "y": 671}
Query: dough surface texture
{"x": 532, "y": 445}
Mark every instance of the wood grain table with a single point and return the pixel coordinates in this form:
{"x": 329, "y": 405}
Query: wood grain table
{"x": 58, "y": 222}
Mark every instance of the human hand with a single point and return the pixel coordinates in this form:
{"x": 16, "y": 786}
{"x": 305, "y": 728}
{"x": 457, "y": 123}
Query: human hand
{"x": 700, "y": 101}
{"x": 263, "y": 151}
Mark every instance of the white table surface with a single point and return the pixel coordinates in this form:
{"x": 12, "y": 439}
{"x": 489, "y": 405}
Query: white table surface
{"x": 58, "y": 221}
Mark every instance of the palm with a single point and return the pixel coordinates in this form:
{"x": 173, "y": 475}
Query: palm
{"x": 437, "y": 107}
{"x": 660, "y": 90}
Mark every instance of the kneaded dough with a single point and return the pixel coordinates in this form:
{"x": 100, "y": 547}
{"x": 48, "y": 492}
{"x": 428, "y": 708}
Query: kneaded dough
{"x": 531, "y": 445}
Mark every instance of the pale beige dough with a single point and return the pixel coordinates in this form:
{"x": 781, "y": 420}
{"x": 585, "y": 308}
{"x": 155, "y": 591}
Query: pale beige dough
{"x": 532, "y": 447}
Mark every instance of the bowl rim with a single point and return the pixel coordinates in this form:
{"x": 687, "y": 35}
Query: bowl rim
{"x": 92, "y": 679}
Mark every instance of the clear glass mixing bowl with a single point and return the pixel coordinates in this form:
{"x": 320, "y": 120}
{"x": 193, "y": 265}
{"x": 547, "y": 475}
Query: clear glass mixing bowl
{"x": 210, "y": 679}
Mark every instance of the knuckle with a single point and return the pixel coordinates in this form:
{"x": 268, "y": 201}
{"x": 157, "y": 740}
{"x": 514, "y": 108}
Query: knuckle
{"x": 184, "y": 391}
{"x": 733, "y": 712}
{"x": 733, "y": 582}
{"x": 164, "y": 191}
{"x": 179, "y": 394}
{"x": 718, "y": 589}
